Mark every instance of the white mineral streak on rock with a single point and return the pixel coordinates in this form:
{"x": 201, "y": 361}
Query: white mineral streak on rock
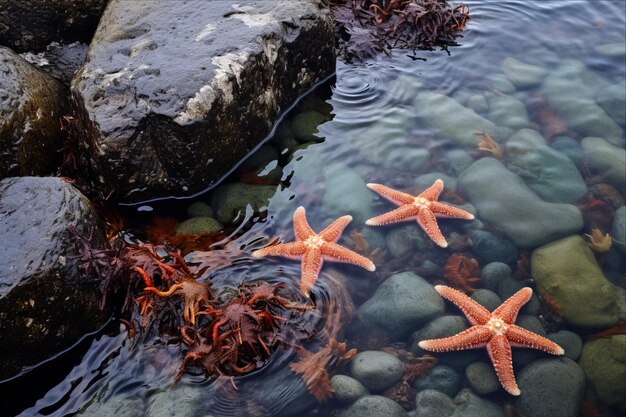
{"x": 208, "y": 29}
{"x": 251, "y": 20}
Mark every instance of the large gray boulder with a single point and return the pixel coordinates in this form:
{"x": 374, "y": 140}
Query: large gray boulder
{"x": 46, "y": 305}
{"x": 30, "y": 25}
{"x": 31, "y": 106}
{"x": 175, "y": 93}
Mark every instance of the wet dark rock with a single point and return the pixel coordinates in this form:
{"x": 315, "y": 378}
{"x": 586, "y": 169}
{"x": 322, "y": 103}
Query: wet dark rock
{"x": 482, "y": 378}
{"x": 347, "y": 389}
{"x": 441, "y": 378}
{"x": 493, "y": 273}
{"x": 175, "y": 94}
{"x": 374, "y": 406}
{"x": 490, "y": 248}
{"x": 59, "y": 60}
{"x": 45, "y": 303}
{"x": 30, "y": 25}
{"x": 31, "y": 106}
{"x": 571, "y": 343}
{"x": 376, "y": 370}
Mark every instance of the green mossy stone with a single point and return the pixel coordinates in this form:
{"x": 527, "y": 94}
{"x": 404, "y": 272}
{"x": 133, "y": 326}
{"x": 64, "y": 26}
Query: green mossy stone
{"x": 604, "y": 363}
{"x": 199, "y": 225}
{"x": 567, "y": 272}
{"x": 304, "y": 125}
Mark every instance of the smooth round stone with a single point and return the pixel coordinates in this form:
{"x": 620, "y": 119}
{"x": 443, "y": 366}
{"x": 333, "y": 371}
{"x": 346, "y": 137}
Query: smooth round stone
{"x": 487, "y": 299}
{"x": 347, "y": 389}
{"x": 342, "y": 181}
{"x": 482, "y": 378}
{"x": 607, "y": 160}
{"x": 613, "y": 100}
{"x": 509, "y": 112}
{"x": 616, "y": 49}
{"x": 230, "y": 201}
{"x": 604, "y": 363}
{"x": 502, "y": 84}
{"x": 200, "y": 209}
{"x": 522, "y": 357}
{"x": 469, "y": 404}
{"x": 618, "y": 231}
{"x": 431, "y": 403}
{"x": 429, "y": 179}
{"x": 508, "y": 286}
{"x": 403, "y": 303}
{"x": 459, "y": 160}
{"x": 568, "y": 272}
{"x": 199, "y": 225}
{"x": 374, "y": 406}
{"x": 493, "y": 273}
{"x": 550, "y": 388}
{"x": 304, "y": 125}
{"x": 403, "y": 239}
{"x": 441, "y": 378}
{"x": 571, "y": 343}
{"x": 521, "y": 74}
{"x": 523, "y": 141}
{"x": 569, "y": 147}
{"x": 490, "y": 248}
{"x": 478, "y": 103}
{"x": 376, "y": 370}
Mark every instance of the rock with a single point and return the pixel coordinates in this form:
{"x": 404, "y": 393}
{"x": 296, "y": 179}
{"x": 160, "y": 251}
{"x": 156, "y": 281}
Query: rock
{"x": 493, "y": 273}
{"x": 403, "y": 239}
{"x": 549, "y": 173}
{"x": 487, "y": 299}
{"x": 431, "y": 403}
{"x": 199, "y": 225}
{"x": 618, "y": 231}
{"x": 441, "y": 378}
{"x": 458, "y": 160}
{"x": 604, "y": 363}
{"x": 347, "y": 389}
{"x": 469, "y": 404}
{"x": 179, "y": 400}
{"x": 31, "y": 104}
{"x": 570, "y": 148}
{"x": 59, "y": 60}
{"x": 304, "y": 126}
{"x": 502, "y": 84}
{"x": 393, "y": 152}
{"x": 263, "y": 162}
{"x": 617, "y": 49}
{"x": 478, "y": 103}
{"x": 523, "y": 141}
{"x": 503, "y": 200}
{"x": 550, "y": 388}
{"x": 482, "y": 378}
{"x": 613, "y": 100}
{"x": 170, "y": 90}
{"x": 450, "y": 120}
{"x": 522, "y": 75}
{"x": 199, "y": 208}
{"x": 571, "y": 90}
{"x": 427, "y": 180}
{"x": 376, "y": 370}
{"x": 566, "y": 270}
{"x": 374, "y": 406}
{"x": 403, "y": 303}
{"x": 509, "y": 112}
{"x": 30, "y": 25}
{"x": 571, "y": 343}
{"x": 607, "y": 160}
{"x": 490, "y": 248}
{"x": 229, "y": 201}
{"x": 46, "y": 304}
{"x": 346, "y": 193}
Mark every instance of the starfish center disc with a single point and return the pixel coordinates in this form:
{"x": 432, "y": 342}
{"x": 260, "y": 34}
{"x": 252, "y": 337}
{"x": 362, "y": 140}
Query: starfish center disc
{"x": 314, "y": 242}
{"x": 421, "y": 202}
{"x": 497, "y": 325}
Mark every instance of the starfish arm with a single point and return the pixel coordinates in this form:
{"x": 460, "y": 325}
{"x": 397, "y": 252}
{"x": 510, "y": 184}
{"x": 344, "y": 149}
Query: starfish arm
{"x": 301, "y": 227}
{"x": 311, "y": 265}
{"x": 472, "y": 338}
{"x": 290, "y": 250}
{"x": 335, "y": 229}
{"x": 499, "y": 351}
{"x": 427, "y": 221}
{"x": 402, "y": 213}
{"x": 395, "y": 196}
{"x": 446, "y": 210}
{"x": 337, "y": 253}
{"x": 432, "y": 192}
{"x": 508, "y": 310}
{"x": 520, "y": 337}
{"x": 475, "y": 313}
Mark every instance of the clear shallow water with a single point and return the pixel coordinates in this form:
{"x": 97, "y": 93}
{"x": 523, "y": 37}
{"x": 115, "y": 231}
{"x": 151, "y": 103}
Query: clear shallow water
{"x": 376, "y": 132}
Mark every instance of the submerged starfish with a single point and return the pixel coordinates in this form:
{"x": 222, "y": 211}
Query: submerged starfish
{"x": 314, "y": 248}
{"x": 494, "y": 330}
{"x": 425, "y": 208}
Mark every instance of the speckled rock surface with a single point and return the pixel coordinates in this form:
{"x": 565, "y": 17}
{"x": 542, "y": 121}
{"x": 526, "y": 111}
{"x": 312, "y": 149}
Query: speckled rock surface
{"x": 45, "y": 303}
{"x": 175, "y": 93}
{"x": 30, "y": 25}
{"x": 31, "y": 104}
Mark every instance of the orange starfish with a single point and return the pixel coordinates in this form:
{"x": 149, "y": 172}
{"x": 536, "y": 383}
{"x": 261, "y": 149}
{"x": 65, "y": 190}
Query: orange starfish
{"x": 314, "y": 248}
{"x": 494, "y": 330}
{"x": 425, "y": 208}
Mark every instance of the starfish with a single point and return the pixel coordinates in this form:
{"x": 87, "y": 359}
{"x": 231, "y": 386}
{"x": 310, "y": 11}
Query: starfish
{"x": 494, "y": 330}
{"x": 425, "y": 208}
{"x": 314, "y": 248}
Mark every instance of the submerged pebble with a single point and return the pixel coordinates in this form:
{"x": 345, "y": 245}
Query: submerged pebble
{"x": 493, "y": 273}
{"x": 521, "y": 74}
{"x": 571, "y": 343}
{"x": 491, "y": 248}
{"x": 441, "y": 378}
{"x": 482, "y": 378}
{"x": 376, "y": 370}
{"x": 374, "y": 406}
{"x": 619, "y": 229}
{"x": 431, "y": 403}
{"x": 347, "y": 389}
{"x": 604, "y": 363}
{"x": 607, "y": 160}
